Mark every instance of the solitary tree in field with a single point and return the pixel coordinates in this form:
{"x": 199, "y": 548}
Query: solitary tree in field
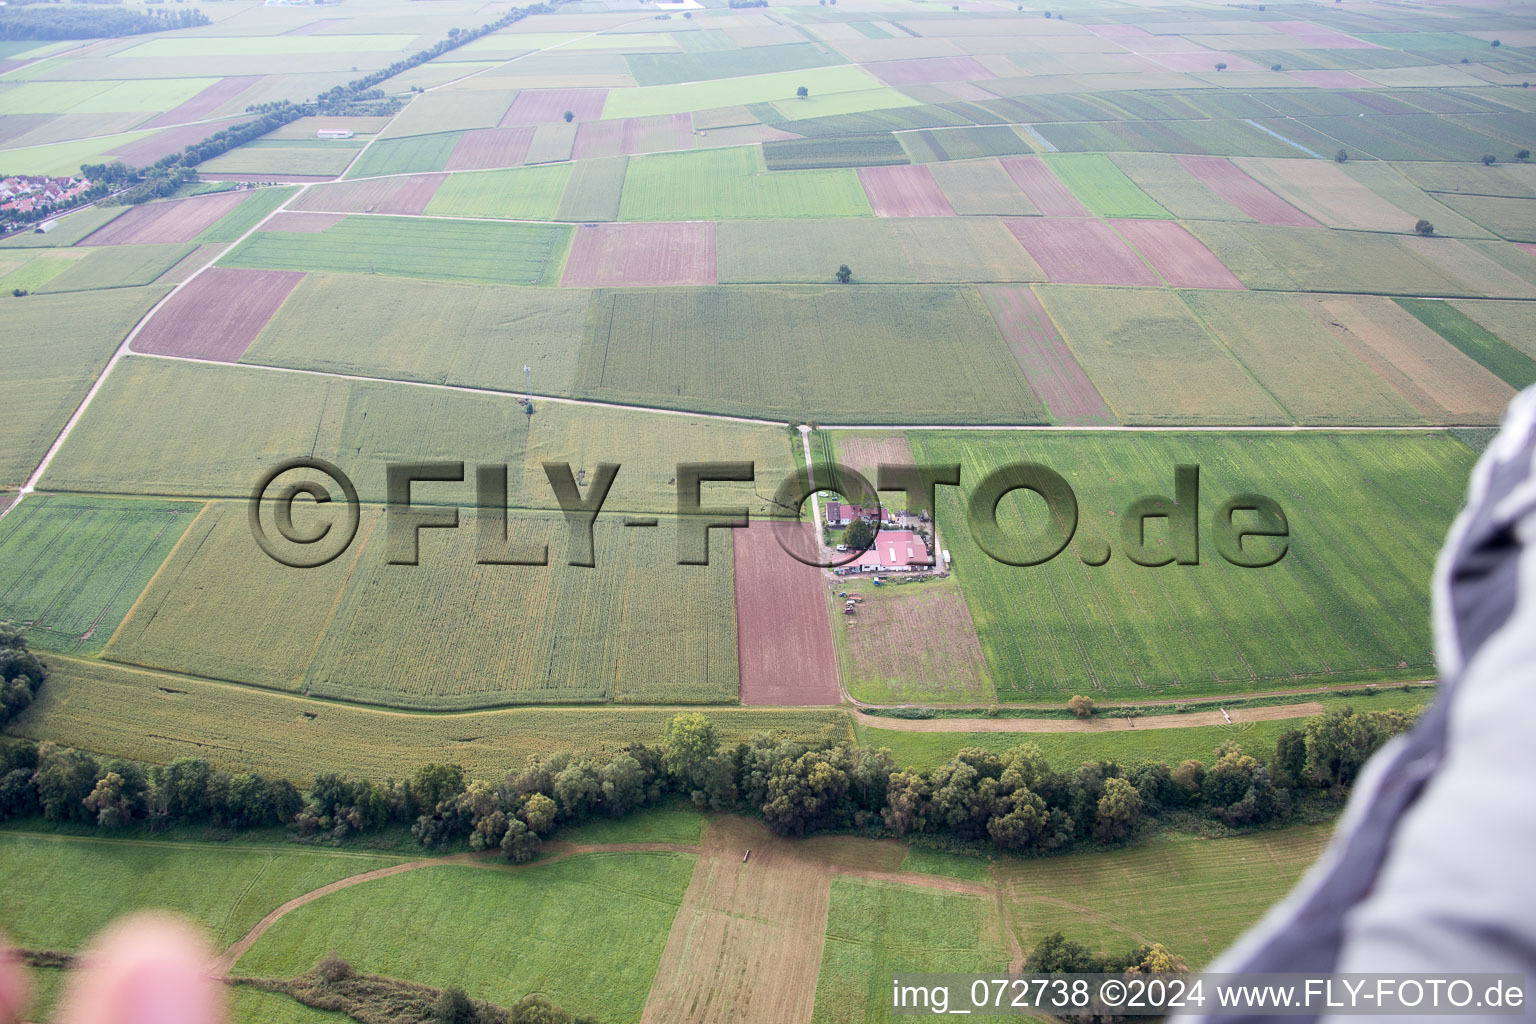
{"x": 569, "y": 116}
{"x": 1494, "y": 44}
{"x": 1523, "y": 155}
{"x": 1274, "y": 67}
{"x": 844, "y": 275}
{"x": 803, "y": 92}
{"x": 1340, "y": 156}
{"x": 1489, "y": 159}
{"x": 1466, "y": 60}
{"x": 1080, "y": 706}
{"x": 1221, "y": 65}
{"x": 1424, "y": 227}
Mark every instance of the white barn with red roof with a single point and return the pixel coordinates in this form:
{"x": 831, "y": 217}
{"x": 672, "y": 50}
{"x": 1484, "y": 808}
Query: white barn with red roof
{"x": 892, "y": 551}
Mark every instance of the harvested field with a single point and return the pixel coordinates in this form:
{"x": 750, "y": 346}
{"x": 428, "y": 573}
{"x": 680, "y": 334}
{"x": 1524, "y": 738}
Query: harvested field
{"x": 783, "y": 638}
{"x": 931, "y": 69}
{"x": 865, "y": 452}
{"x": 631, "y": 135}
{"x": 1445, "y": 385}
{"x": 981, "y": 187}
{"x": 1081, "y": 252}
{"x": 374, "y": 326}
{"x": 201, "y": 106}
{"x": 1044, "y": 189}
{"x": 913, "y": 642}
{"x": 1510, "y": 321}
{"x": 1183, "y": 195}
{"x": 964, "y": 250}
{"x": 809, "y": 251}
{"x": 548, "y": 106}
{"x": 1048, "y": 365}
{"x": 1153, "y": 361}
{"x": 1300, "y": 361}
{"x": 1230, "y": 182}
{"x": 156, "y": 718}
{"x": 617, "y": 255}
{"x": 71, "y": 567}
{"x": 1506, "y": 362}
{"x": 903, "y": 191}
{"x": 1315, "y": 259}
{"x": 118, "y": 266}
{"x": 1323, "y": 190}
{"x": 489, "y": 148}
{"x": 180, "y": 220}
{"x": 1509, "y": 218}
{"x": 789, "y": 351}
{"x": 302, "y": 223}
{"x": 1179, "y": 257}
{"x": 551, "y": 143}
{"x": 448, "y": 110}
{"x": 407, "y": 195}
{"x": 218, "y": 314}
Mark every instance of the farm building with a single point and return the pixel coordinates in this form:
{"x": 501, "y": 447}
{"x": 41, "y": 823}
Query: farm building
{"x": 839, "y": 514}
{"x": 335, "y": 133}
{"x": 893, "y": 551}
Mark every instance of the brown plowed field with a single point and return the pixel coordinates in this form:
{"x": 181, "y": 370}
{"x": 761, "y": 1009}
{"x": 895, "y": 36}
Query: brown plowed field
{"x": 178, "y": 221}
{"x": 1180, "y": 257}
{"x": 407, "y": 196}
{"x": 1043, "y": 188}
{"x": 301, "y": 223}
{"x": 1081, "y": 252}
{"x": 783, "y": 638}
{"x": 489, "y": 148}
{"x": 218, "y": 314}
{"x": 548, "y": 106}
{"x": 1050, "y": 367}
{"x": 618, "y": 255}
{"x": 904, "y": 191}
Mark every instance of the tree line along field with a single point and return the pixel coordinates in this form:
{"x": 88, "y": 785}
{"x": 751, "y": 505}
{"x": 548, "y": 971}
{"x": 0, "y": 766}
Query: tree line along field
{"x": 1348, "y": 601}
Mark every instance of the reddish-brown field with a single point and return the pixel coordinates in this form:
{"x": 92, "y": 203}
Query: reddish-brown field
{"x": 147, "y": 150}
{"x": 178, "y": 221}
{"x": 218, "y": 314}
{"x": 490, "y": 148}
{"x": 548, "y": 106}
{"x": 1043, "y": 188}
{"x": 621, "y": 255}
{"x": 630, "y": 136}
{"x": 405, "y": 195}
{"x": 1205, "y": 60}
{"x": 1180, "y": 257}
{"x": 1230, "y": 182}
{"x": 199, "y": 107}
{"x": 932, "y": 69}
{"x": 1081, "y": 252}
{"x": 783, "y": 638}
{"x": 303, "y": 223}
{"x": 904, "y": 191}
{"x": 1052, "y": 371}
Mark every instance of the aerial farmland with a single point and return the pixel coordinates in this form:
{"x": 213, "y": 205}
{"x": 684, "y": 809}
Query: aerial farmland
{"x": 439, "y": 462}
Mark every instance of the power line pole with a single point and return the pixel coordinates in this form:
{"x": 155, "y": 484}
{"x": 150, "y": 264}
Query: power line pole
{"x": 528, "y": 383}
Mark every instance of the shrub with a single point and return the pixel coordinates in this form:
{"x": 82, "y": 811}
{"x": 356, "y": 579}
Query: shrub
{"x": 1080, "y": 706}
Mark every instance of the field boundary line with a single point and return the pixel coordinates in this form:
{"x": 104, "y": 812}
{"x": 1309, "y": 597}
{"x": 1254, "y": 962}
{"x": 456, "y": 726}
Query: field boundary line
{"x": 169, "y": 555}
{"x": 123, "y": 349}
{"x": 1104, "y": 723}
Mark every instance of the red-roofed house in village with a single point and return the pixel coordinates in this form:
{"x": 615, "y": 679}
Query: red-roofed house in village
{"x": 839, "y": 514}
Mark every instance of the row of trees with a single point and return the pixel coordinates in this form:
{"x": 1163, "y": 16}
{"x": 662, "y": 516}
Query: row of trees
{"x": 49, "y": 21}
{"x": 1015, "y": 800}
{"x": 20, "y": 673}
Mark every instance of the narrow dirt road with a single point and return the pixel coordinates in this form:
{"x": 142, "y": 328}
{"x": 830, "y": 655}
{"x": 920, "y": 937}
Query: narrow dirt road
{"x": 1107, "y": 723}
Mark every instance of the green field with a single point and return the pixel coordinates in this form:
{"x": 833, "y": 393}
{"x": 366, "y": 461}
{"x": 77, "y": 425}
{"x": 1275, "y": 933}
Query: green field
{"x": 482, "y": 336}
{"x": 726, "y": 92}
{"x": 449, "y": 110}
{"x": 1153, "y": 360}
{"x": 225, "y": 889}
{"x": 168, "y": 428}
{"x": 463, "y": 251}
{"x": 118, "y": 266}
{"x": 247, "y": 215}
{"x": 1195, "y": 896}
{"x": 804, "y": 353}
{"x": 32, "y": 271}
{"x": 586, "y": 932}
{"x": 809, "y": 251}
{"x": 277, "y": 161}
{"x": 722, "y": 184}
{"x": 594, "y": 190}
{"x": 675, "y": 68}
{"x": 1102, "y": 187}
{"x": 841, "y": 151}
{"x": 1348, "y": 602}
{"x": 70, "y": 568}
{"x": 875, "y": 929}
{"x": 44, "y": 372}
{"x": 158, "y": 718}
{"x": 404, "y": 155}
{"x": 275, "y": 45}
{"x": 1169, "y": 185}
{"x": 524, "y": 193}
{"x": 1509, "y": 364}
{"x": 68, "y": 229}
